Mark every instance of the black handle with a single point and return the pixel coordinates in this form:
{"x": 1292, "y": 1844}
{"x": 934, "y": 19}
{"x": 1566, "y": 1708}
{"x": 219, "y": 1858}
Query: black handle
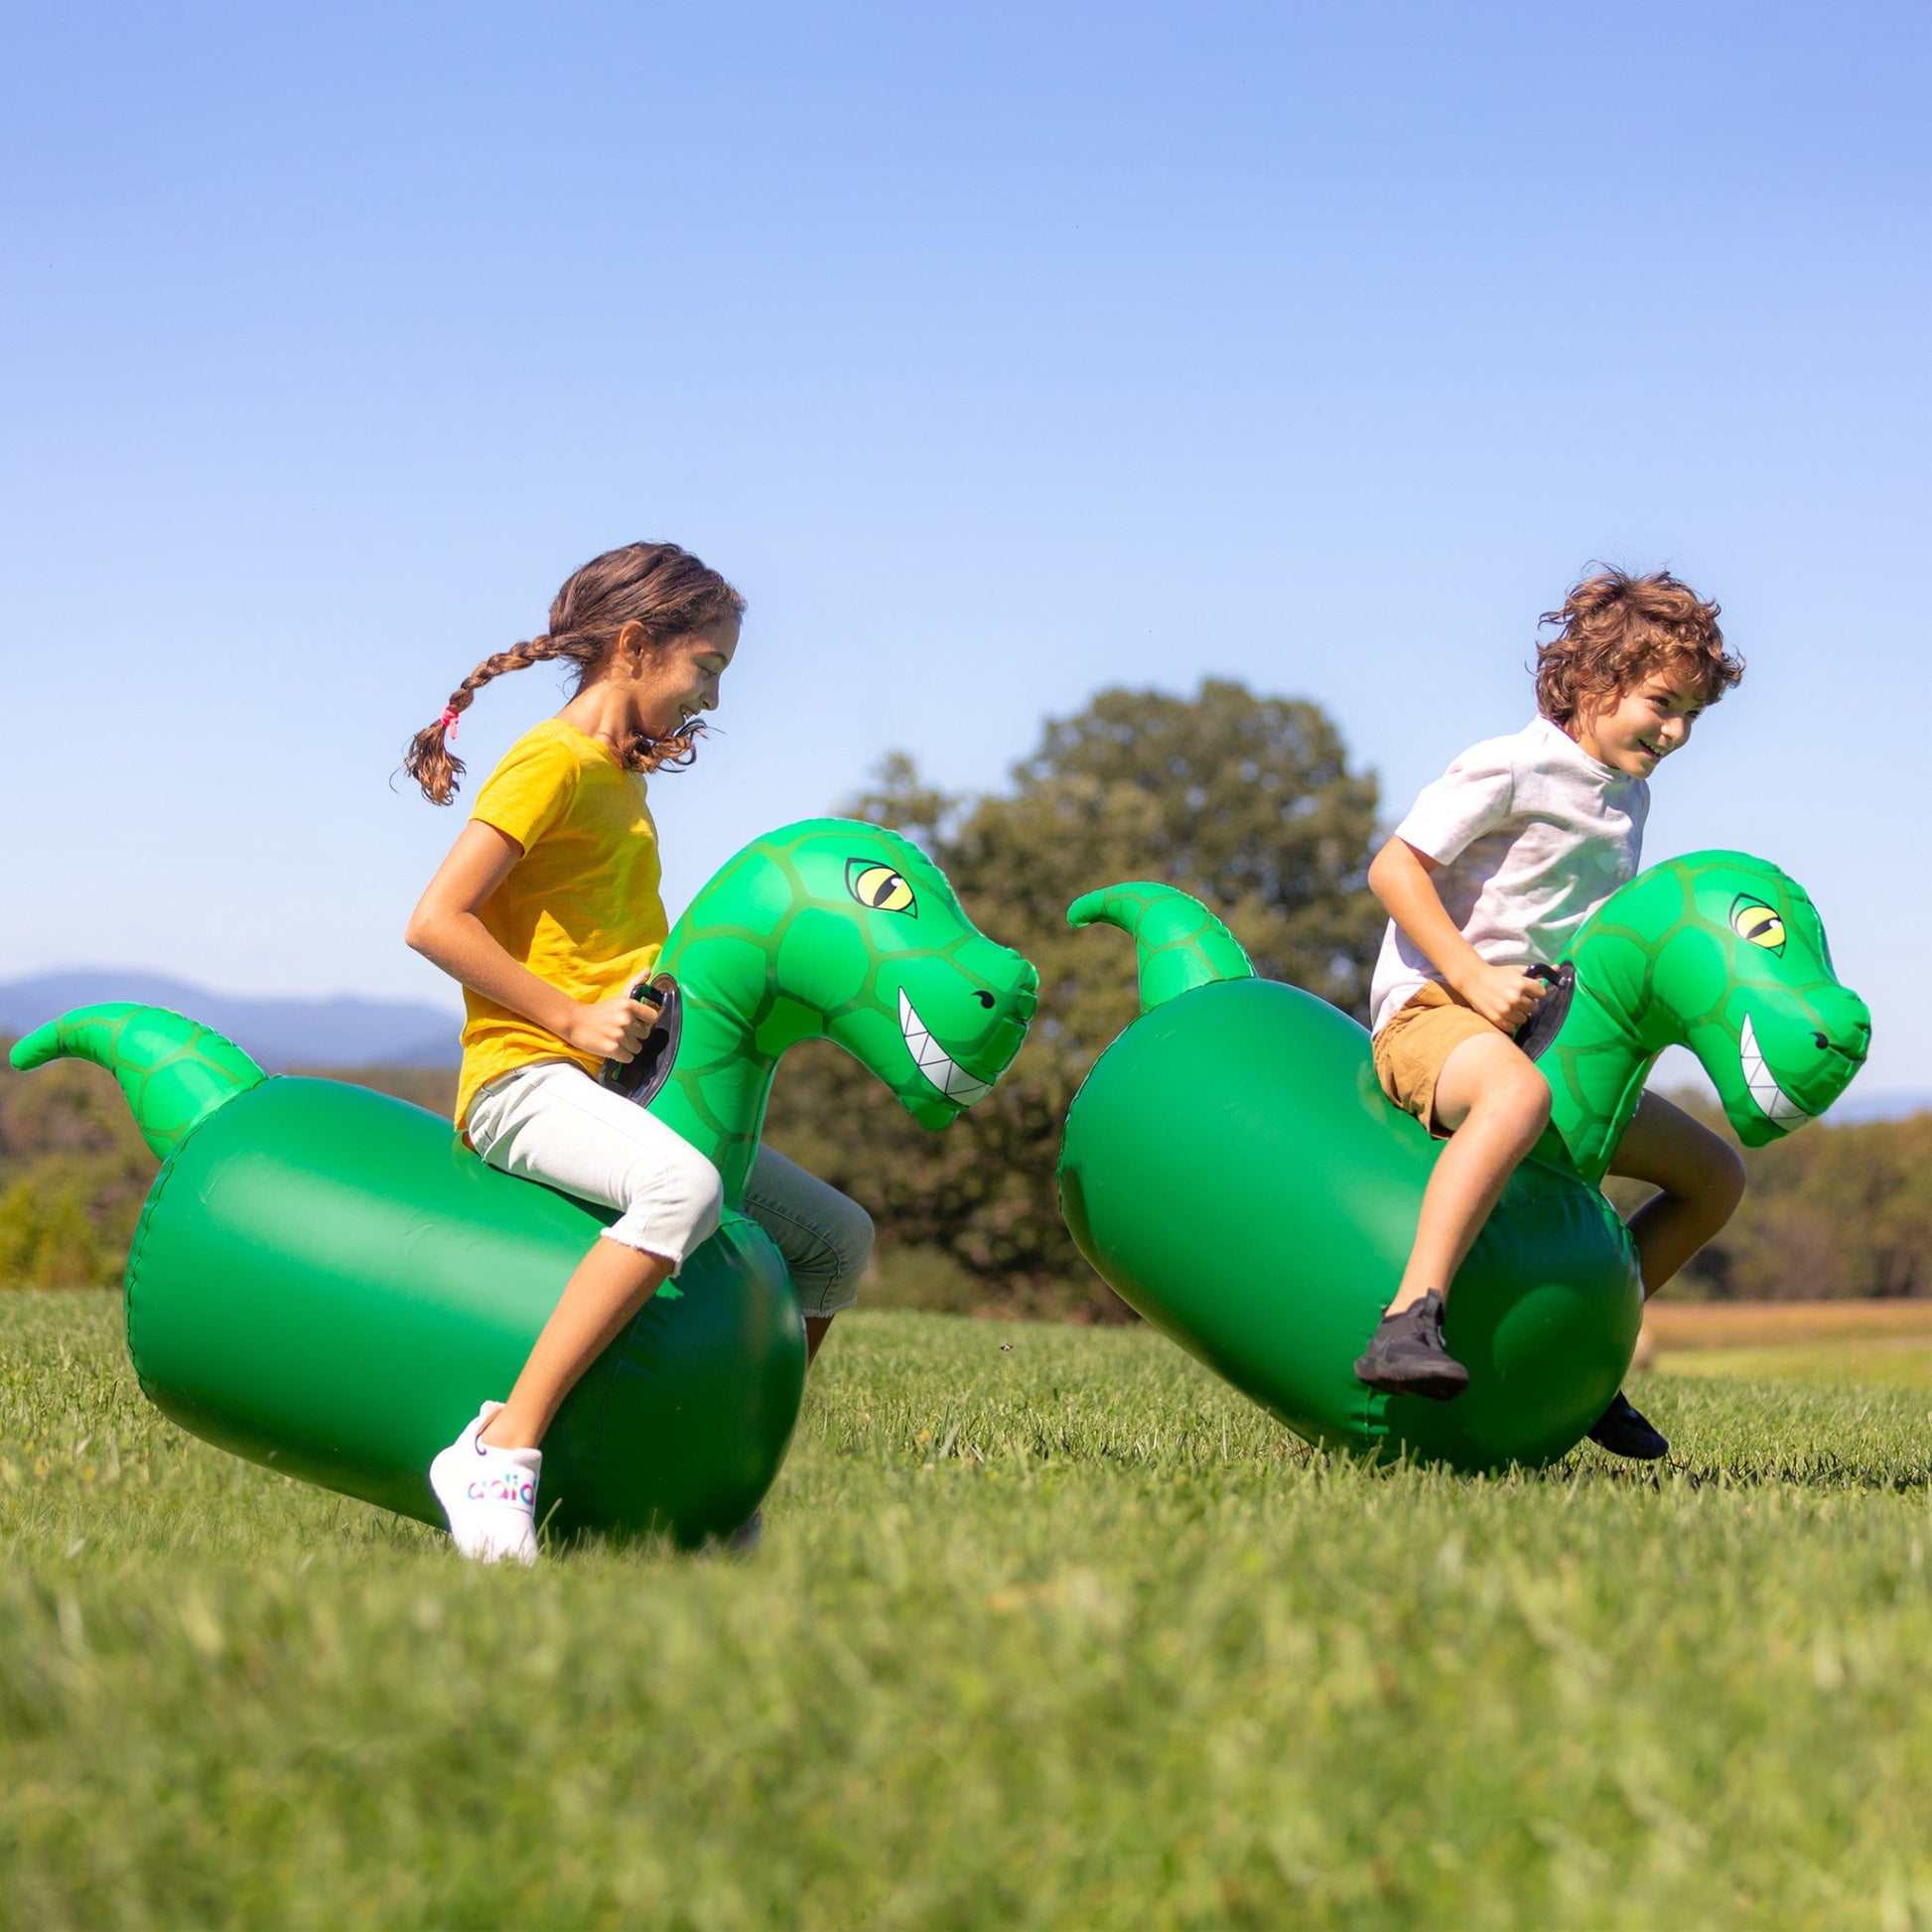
{"x": 640, "y": 1077}
{"x": 1547, "y": 1017}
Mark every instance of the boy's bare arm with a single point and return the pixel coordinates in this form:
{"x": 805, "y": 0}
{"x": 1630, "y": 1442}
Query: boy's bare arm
{"x": 1402, "y": 879}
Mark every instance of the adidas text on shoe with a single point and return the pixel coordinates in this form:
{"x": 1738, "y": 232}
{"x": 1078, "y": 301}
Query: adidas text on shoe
{"x": 489, "y": 1494}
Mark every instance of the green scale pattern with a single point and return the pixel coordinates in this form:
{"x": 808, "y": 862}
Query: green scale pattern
{"x": 1662, "y": 964}
{"x": 1231, "y": 1166}
{"x": 327, "y": 1281}
{"x": 173, "y": 1073}
{"x": 1182, "y": 945}
{"x": 777, "y": 949}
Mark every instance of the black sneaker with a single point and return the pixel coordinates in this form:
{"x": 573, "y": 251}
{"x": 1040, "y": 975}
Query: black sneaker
{"x": 1623, "y": 1432}
{"x": 1406, "y": 1355}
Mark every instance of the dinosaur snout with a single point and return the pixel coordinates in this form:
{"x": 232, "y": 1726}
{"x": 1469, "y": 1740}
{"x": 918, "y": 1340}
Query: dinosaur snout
{"x": 1844, "y": 1024}
{"x": 1816, "y": 1049}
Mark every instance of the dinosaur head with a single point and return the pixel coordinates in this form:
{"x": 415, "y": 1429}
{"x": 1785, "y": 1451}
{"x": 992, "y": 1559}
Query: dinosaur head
{"x": 1725, "y": 955}
{"x": 836, "y": 929}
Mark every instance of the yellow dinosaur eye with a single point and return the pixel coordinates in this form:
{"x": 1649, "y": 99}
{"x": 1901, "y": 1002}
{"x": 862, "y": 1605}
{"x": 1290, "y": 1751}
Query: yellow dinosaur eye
{"x": 879, "y": 886}
{"x": 1752, "y": 919}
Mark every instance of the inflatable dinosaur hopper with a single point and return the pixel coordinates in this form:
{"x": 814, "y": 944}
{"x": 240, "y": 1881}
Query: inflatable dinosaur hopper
{"x": 325, "y": 1281}
{"x": 1233, "y": 1171}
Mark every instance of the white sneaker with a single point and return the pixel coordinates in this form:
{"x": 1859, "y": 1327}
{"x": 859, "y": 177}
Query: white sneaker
{"x": 490, "y": 1494}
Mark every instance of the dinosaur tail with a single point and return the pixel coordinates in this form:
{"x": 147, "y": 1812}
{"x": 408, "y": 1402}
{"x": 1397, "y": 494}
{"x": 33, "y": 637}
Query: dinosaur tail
{"x": 1181, "y": 944}
{"x": 173, "y": 1072}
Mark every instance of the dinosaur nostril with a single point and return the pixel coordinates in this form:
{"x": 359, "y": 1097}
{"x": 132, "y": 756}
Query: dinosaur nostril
{"x": 1824, "y": 1044}
{"x": 985, "y": 999}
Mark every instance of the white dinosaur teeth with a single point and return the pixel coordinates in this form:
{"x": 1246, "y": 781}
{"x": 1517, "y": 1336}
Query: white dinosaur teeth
{"x": 1771, "y": 1099}
{"x": 934, "y": 1061}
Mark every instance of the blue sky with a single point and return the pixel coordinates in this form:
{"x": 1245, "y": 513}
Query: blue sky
{"x": 998, "y": 353}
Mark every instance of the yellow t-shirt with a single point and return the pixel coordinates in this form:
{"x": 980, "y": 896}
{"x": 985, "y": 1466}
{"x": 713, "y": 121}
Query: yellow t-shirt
{"x": 580, "y": 907}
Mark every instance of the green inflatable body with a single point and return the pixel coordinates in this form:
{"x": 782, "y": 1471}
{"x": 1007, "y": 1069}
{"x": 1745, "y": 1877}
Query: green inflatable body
{"x": 1232, "y": 1168}
{"x": 327, "y": 1281}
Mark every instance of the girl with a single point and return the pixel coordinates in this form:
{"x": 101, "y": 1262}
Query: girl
{"x": 547, "y": 909}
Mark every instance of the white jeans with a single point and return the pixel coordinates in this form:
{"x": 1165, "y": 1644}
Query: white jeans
{"x": 551, "y": 1122}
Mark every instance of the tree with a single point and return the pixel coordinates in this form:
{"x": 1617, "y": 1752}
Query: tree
{"x": 1831, "y": 1213}
{"x": 1247, "y": 802}
{"x": 73, "y": 1173}
{"x": 75, "y": 1169}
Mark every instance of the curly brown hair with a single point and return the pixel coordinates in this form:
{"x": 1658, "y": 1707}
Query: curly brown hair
{"x": 1615, "y": 630}
{"x": 663, "y": 590}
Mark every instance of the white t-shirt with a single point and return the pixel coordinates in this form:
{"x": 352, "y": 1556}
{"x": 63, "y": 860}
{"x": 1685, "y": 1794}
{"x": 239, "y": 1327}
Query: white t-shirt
{"x": 1533, "y": 835}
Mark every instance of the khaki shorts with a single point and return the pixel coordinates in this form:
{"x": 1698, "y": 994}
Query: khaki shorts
{"x": 1410, "y": 1049}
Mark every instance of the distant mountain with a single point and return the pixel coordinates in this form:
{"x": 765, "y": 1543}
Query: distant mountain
{"x": 277, "y": 1032}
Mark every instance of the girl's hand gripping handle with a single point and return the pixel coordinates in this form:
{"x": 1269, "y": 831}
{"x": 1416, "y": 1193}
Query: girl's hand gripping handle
{"x": 639, "y": 1067}
{"x": 614, "y": 1029}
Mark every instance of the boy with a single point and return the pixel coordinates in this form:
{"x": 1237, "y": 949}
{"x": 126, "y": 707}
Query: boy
{"x": 1495, "y": 869}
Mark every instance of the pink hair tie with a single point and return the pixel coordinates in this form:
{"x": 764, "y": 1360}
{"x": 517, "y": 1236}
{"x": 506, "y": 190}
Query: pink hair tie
{"x": 448, "y": 720}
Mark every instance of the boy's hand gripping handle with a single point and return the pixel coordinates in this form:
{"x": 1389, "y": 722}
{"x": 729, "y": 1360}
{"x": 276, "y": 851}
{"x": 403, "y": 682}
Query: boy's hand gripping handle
{"x": 1546, "y": 1021}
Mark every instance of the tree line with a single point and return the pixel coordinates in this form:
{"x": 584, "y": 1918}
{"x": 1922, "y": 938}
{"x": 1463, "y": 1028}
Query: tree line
{"x": 1247, "y": 801}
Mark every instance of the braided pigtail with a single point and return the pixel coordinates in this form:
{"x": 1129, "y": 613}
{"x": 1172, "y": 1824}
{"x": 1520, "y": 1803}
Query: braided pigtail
{"x": 429, "y": 760}
{"x": 636, "y": 599}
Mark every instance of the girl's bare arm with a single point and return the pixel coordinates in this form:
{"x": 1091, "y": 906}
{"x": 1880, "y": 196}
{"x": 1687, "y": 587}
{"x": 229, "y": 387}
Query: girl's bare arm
{"x": 445, "y": 930}
{"x": 1403, "y": 880}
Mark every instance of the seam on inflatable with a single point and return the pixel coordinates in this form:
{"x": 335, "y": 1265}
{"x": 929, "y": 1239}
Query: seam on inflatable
{"x": 136, "y": 1248}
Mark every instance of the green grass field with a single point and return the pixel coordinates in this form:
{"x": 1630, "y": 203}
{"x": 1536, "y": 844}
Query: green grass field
{"x": 1886, "y": 1361}
{"x": 1049, "y": 1629}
